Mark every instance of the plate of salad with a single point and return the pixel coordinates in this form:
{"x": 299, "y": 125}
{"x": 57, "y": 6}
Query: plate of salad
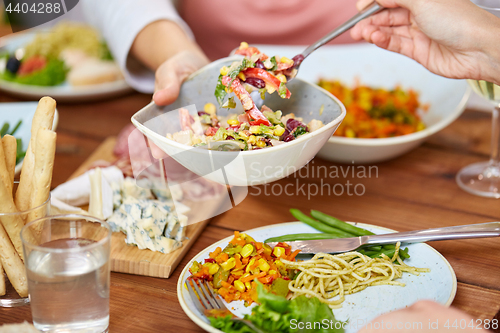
{"x": 252, "y": 297}
{"x": 15, "y": 119}
{"x": 70, "y": 62}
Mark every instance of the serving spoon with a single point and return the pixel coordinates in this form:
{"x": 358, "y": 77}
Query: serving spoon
{"x": 368, "y": 11}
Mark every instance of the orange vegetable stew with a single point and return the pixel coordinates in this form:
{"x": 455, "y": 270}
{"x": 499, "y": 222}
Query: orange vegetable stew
{"x": 376, "y": 112}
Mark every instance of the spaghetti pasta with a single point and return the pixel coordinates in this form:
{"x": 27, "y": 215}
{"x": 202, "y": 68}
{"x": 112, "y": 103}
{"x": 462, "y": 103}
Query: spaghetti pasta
{"x": 331, "y": 277}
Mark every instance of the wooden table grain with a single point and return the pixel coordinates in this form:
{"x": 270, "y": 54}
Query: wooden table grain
{"x": 415, "y": 191}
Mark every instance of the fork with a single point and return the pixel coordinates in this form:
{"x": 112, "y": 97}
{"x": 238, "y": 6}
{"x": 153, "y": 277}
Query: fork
{"x": 204, "y": 298}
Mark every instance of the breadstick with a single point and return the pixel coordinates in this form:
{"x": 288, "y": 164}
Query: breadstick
{"x": 2, "y": 281}
{"x": 12, "y": 264}
{"x": 9, "y": 144}
{"x": 42, "y": 177}
{"x": 4, "y": 172}
{"x": 13, "y": 223}
{"x": 43, "y": 119}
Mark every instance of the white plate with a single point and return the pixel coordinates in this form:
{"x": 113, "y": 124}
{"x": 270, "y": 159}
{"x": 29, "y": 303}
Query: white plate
{"x": 440, "y": 284}
{"x": 376, "y": 67}
{"x": 13, "y": 112}
{"x": 64, "y": 92}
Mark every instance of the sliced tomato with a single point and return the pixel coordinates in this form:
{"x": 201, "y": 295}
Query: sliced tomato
{"x": 247, "y": 102}
{"x": 249, "y": 51}
{"x": 210, "y": 131}
{"x": 269, "y": 78}
{"x": 31, "y": 65}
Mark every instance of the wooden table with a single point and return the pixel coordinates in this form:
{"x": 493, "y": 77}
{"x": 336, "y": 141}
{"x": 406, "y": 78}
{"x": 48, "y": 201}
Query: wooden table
{"x": 415, "y": 191}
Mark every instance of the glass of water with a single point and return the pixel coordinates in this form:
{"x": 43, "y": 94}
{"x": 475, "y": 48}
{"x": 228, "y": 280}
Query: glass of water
{"x": 67, "y": 264}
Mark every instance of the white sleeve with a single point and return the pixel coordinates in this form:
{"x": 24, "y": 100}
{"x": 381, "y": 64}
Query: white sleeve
{"x": 120, "y": 21}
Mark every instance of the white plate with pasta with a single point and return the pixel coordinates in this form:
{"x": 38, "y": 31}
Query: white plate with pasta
{"x": 94, "y": 80}
{"x": 439, "y": 284}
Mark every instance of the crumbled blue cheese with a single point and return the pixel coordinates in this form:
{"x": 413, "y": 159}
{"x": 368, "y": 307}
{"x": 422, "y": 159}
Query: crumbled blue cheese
{"x": 148, "y": 223}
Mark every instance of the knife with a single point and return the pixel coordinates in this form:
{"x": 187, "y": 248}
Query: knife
{"x": 481, "y": 230}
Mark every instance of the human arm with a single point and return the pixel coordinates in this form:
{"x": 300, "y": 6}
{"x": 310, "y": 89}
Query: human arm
{"x": 142, "y": 35}
{"x": 173, "y": 61}
{"x": 423, "y": 316}
{"x": 452, "y": 38}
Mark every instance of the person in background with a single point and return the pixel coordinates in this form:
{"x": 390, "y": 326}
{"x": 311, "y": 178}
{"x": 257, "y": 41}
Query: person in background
{"x": 172, "y": 39}
{"x": 451, "y": 38}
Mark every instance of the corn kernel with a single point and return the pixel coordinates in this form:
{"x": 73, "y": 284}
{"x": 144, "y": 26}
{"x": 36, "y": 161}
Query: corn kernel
{"x": 248, "y": 238}
{"x": 248, "y": 285}
{"x": 240, "y": 286}
{"x": 233, "y": 122}
{"x": 242, "y": 77}
{"x": 263, "y": 265}
{"x": 243, "y": 45}
{"x": 278, "y": 130}
{"x": 252, "y": 139}
{"x": 281, "y": 77}
{"x": 287, "y": 60}
{"x": 213, "y": 269}
{"x": 267, "y": 249}
{"x": 229, "y": 264}
{"x": 228, "y": 90}
{"x": 246, "y": 250}
{"x": 270, "y": 89}
{"x": 224, "y": 70}
{"x": 261, "y": 143}
{"x": 250, "y": 264}
{"x": 210, "y": 108}
{"x": 279, "y": 264}
{"x": 272, "y": 272}
{"x": 254, "y": 129}
{"x": 278, "y": 251}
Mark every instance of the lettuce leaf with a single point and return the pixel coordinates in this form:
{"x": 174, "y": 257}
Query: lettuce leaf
{"x": 276, "y": 314}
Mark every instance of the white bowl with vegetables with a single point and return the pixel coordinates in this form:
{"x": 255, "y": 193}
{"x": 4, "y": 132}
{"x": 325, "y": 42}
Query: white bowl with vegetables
{"x": 15, "y": 119}
{"x": 249, "y": 167}
{"x": 378, "y": 68}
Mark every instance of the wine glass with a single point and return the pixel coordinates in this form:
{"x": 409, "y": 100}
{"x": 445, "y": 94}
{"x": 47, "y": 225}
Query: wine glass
{"x": 483, "y": 178}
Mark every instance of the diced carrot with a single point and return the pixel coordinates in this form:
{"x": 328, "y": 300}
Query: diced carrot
{"x": 252, "y": 277}
{"x": 244, "y": 261}
{"x": 238, "y": 264}
{"x": 226, "y": 285}
{"x": 216, "y": 252}
{"x": 230, "y": 280}
{"x": 292, "y": 256}
{"x": 266, "y": 279}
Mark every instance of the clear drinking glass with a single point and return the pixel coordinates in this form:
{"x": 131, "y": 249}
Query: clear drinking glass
{"x": 11, "y": 298}
{"x": 483, "y": 178}
{"x": 68, "y": 273}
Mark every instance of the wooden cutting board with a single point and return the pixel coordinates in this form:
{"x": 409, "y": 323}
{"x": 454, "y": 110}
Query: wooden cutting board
{"x": 129, "y": 259}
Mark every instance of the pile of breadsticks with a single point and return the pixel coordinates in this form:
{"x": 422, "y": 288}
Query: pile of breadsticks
{"x": 33, "y": 191}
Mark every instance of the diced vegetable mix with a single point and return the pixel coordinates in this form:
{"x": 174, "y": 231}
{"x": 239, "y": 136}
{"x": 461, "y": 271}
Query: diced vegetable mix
{"x": 234, "y": 270}
{"x": 376, "y": 112}
{"x": 254, "y": 129}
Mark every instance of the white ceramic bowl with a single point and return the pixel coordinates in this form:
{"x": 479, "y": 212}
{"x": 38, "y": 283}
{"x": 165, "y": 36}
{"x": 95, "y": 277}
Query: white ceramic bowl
{"x": 380, "y": 68}
{"x": 247, "y": 167}
{"x": 13, "y": 112}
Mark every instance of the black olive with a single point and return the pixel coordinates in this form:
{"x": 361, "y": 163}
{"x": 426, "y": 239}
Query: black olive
{"x": 13, "y": 65}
